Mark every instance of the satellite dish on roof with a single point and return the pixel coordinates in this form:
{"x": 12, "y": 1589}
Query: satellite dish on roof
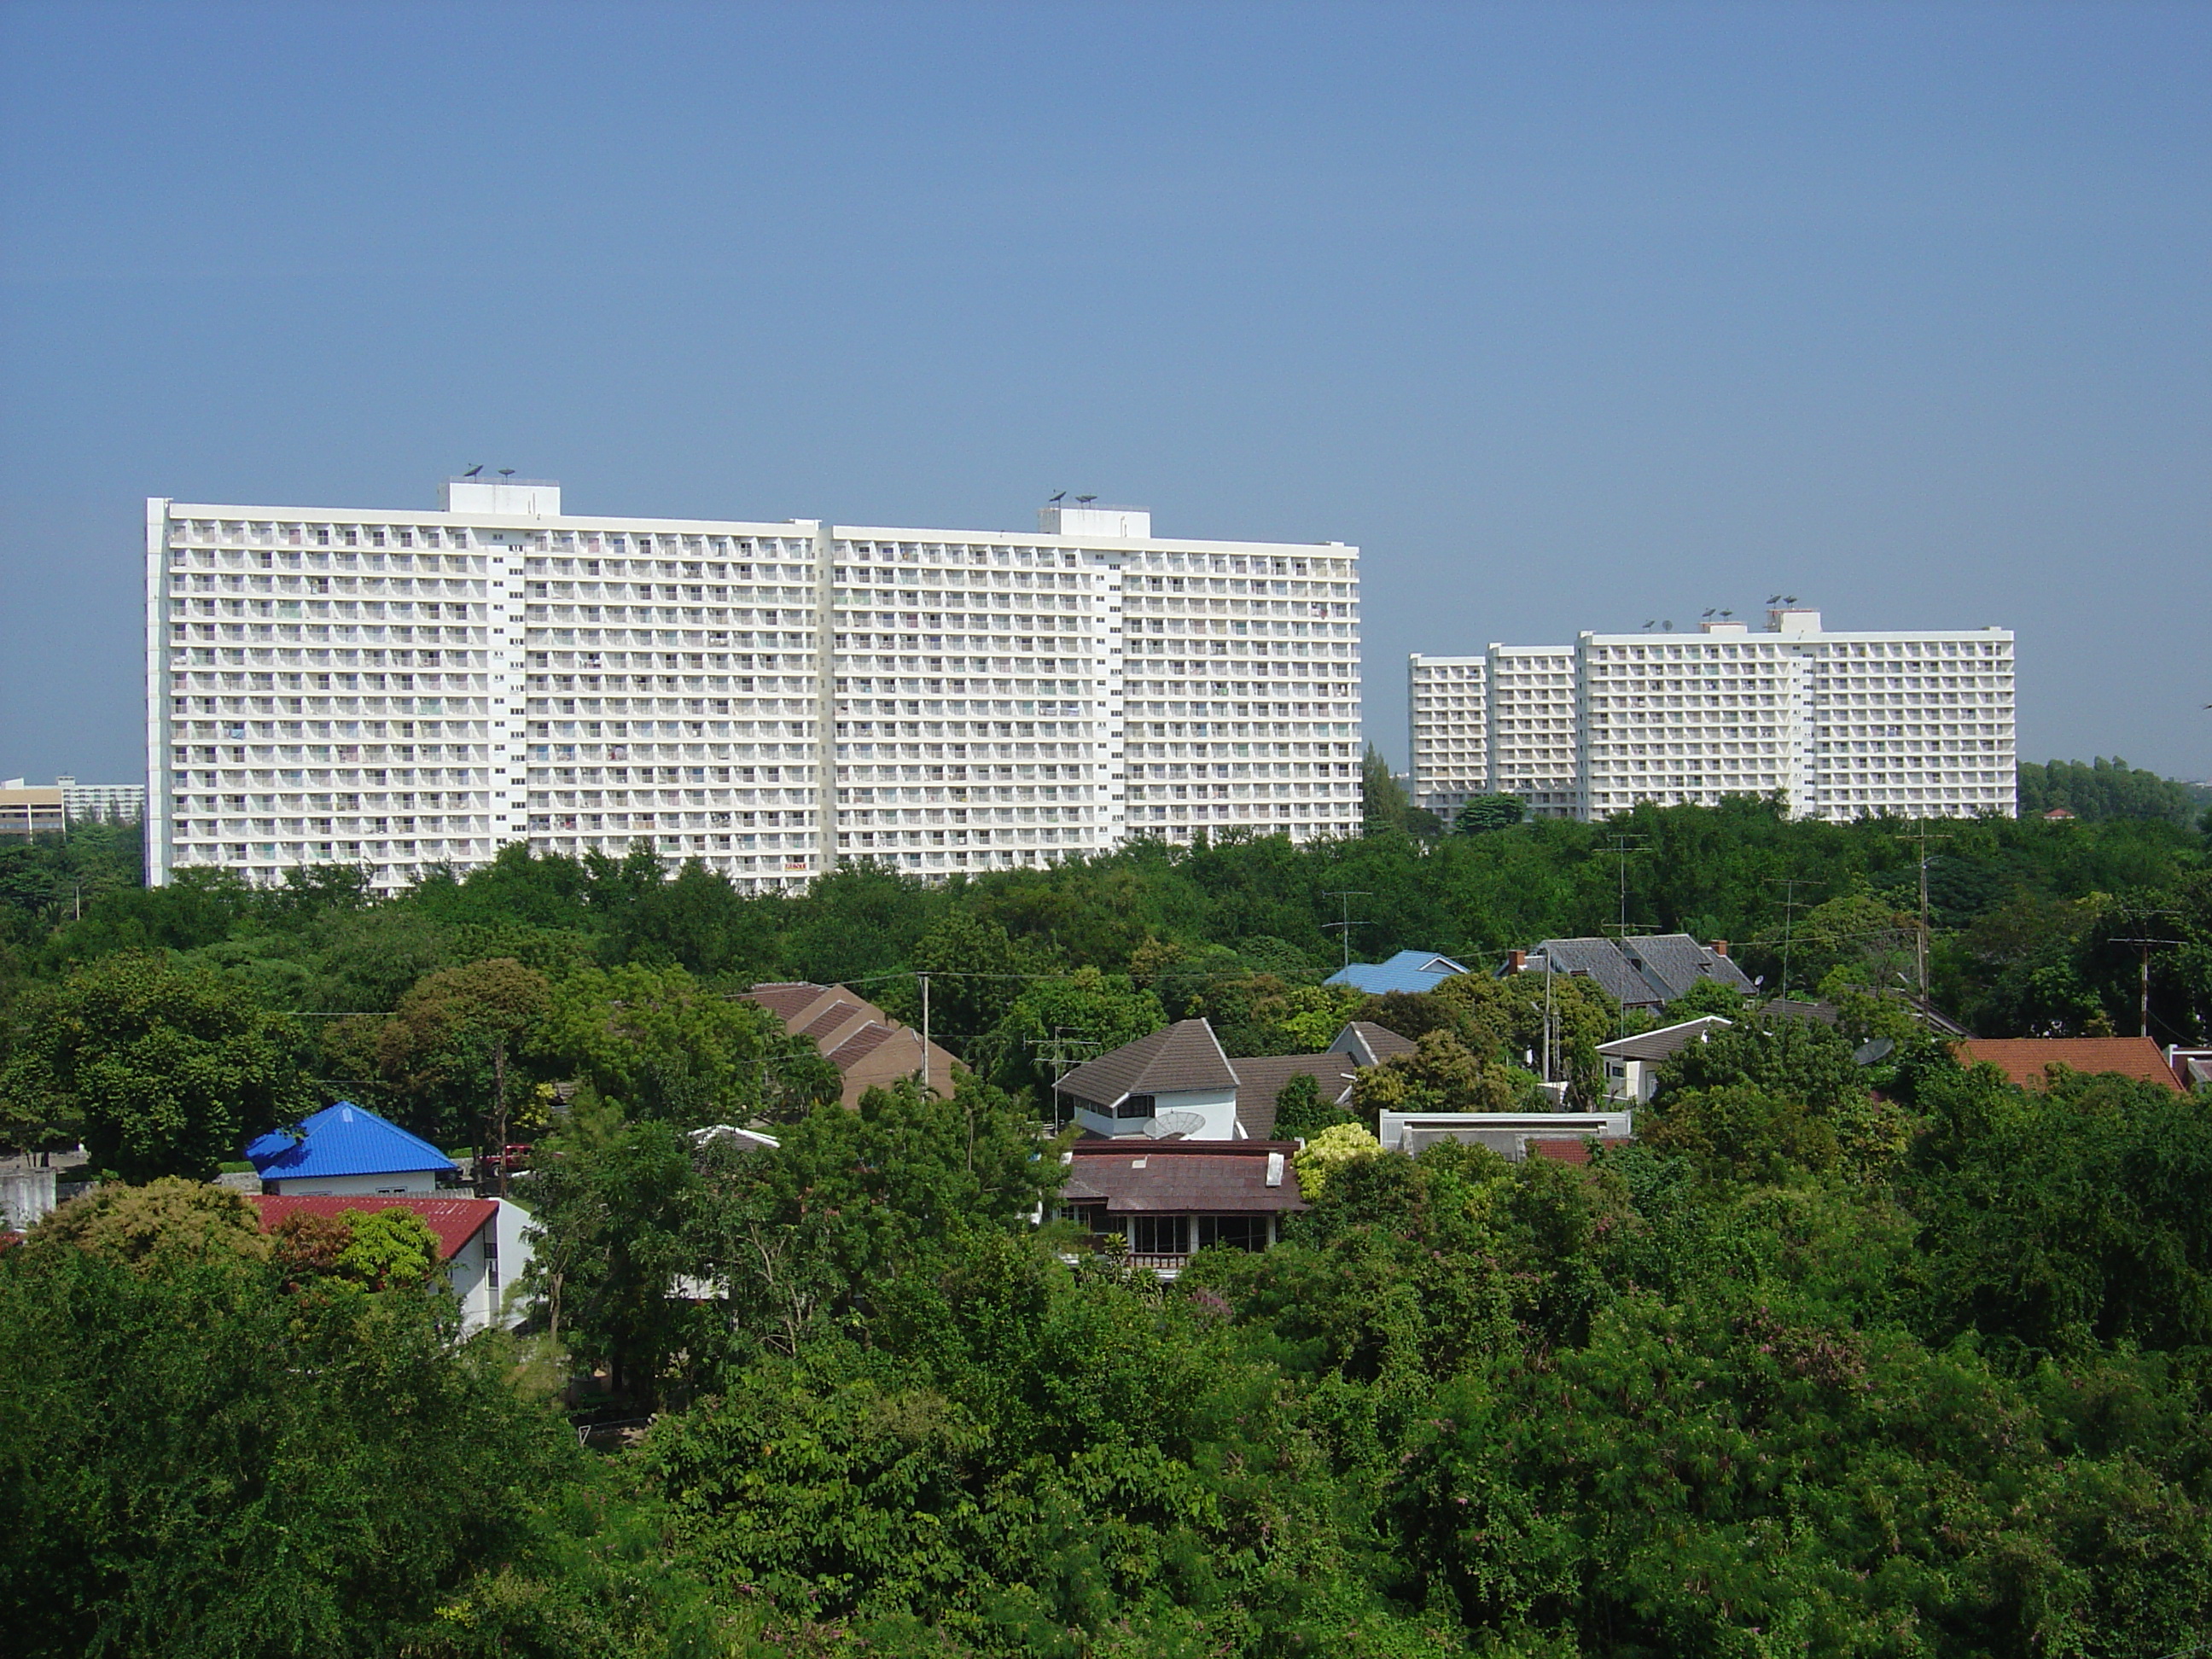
{"x": 1164, "y": 1124}
{"x": 1878, "y": 1048}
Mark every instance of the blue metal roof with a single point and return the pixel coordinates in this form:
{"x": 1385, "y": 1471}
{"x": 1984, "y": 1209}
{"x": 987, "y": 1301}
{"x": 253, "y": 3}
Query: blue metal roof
{"x": 1409, "y": 970}
{"x": 344, "y": 1140}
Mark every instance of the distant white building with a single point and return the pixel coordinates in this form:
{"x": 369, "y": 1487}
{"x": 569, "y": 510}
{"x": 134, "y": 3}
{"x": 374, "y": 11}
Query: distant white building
{"x": 102, "y": 803}
{"x": 403, "y": 689}
{"x": 1838, "y": 724}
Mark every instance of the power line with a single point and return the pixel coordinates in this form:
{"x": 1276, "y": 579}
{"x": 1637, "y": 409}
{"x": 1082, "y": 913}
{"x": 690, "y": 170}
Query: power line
{"x": 1345, "y": 924}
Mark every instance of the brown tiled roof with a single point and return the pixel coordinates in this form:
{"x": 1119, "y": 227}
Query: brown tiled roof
{"x": 788, "y": 999}
{"x": 859, "y": 1046}
{"x": 1176, "y": 1058}
{"x": 1183, "y": 1178}
{"x": 832, "y": 1018}
{"x": 2024, "y": 1060}
{"x": 1259, "y": 1081}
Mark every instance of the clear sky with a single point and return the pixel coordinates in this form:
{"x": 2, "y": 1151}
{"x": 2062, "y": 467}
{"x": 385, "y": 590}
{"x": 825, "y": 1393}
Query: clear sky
{"x": 1570, "y": 316}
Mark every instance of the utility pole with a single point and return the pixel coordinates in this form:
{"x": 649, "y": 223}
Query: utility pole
{"x": 1921, "y": 837}
{"x": 1345, "y": 924}
{"x": 499, "y": 1100}
{"x": 2144, "y": 947}
{"x": 924, "y": 978}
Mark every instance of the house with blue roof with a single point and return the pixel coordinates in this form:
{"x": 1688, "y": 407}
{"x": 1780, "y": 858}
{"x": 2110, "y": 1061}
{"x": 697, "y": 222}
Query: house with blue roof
{"x": 346, "y": 1150}
{"x": 1409, "y": 970}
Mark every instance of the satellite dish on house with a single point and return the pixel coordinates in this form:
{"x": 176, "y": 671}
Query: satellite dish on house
{"x": 1174, "y": 1123}
{"x": 1875, "y": 1050}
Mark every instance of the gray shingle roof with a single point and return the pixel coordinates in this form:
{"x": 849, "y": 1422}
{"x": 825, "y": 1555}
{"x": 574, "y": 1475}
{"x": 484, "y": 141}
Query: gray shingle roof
{"x": 1666, "y": 1042}
{"x": 1176, "y": 1058}
{"x": 1644, "y": 970}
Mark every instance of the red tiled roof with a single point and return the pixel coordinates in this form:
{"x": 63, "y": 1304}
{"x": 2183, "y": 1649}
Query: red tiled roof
{"x": 2024, "y": 1060}
{"x": 454, "y": 1220}
{"x": 1574, "y": 1151}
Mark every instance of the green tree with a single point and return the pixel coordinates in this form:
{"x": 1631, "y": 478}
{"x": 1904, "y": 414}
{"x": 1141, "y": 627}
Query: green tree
{"x": 1103, "y": 1010}
{"x": 448, "y": 1063}
{"x": 388, "y": 1246}
{"x": 1383, "y": 802}
{"x": 168, "y": 1219}
{"x": 1301, "y": 1113}
{"x": 660, "y": 1044}
{"x": 1707, "y": 996}
{"x": 163, "y": 1072}
{"x": 193, "y": 1461}
{"x": 1478, "y": 814}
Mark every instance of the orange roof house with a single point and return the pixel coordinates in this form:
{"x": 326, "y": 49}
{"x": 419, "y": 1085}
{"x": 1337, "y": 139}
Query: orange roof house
{"x": 2027, "y": 1061}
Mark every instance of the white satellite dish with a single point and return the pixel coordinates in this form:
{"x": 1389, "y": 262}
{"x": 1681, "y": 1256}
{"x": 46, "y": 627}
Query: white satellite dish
{"x": 1164, "y": 1124}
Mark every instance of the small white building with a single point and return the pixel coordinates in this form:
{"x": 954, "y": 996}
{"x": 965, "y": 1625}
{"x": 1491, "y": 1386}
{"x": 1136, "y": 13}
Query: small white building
{"x": 1633, "y": 1063}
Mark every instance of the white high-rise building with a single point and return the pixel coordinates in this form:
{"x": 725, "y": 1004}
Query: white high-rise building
{"x": 1450, "y": 702}
{"x": 1534, "y": 749}
{"x": 407, "y": 689}
{"x": 1838, "y": 725}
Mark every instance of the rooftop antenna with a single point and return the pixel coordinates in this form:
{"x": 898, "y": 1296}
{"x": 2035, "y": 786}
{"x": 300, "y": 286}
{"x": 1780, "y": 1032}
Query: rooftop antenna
{"x": 1344, "y": 924}
{"x": 473, "y": 470}
{"x": 1085, "y": 501}
{"x": 1789, "y": 599}
{"x": 1650, "y": 623}
{"x": 1057, "y": 494}
{"x": 1774, "y": 598}
{"x": 1710, "y": 611}
{"x": 507, "y": 472}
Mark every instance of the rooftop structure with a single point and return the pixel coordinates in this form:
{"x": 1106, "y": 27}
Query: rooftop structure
{"x": 1175, "y": 1083}
{"x": 1633, "y": 1063}
{"x": 400, "y": 689}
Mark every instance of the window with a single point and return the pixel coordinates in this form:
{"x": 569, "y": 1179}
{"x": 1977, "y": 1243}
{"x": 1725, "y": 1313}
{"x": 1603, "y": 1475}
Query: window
{"x": 1156, "y": 1234}
{"x": 1135, "y": 1106}
{"x": 1232, "y": 1232}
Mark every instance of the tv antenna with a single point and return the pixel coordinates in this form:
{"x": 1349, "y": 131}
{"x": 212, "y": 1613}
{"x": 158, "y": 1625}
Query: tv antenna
{"x": 1344, "y": 924}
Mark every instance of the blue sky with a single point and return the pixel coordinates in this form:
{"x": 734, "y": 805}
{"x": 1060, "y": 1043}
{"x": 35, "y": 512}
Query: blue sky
{"x": 1569, "y": 315}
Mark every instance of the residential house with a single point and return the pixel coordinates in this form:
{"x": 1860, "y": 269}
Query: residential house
{"x": 1408, "y": 971}
{"x": 2027, "y": 1061}
{"x": 869, "y": 1049}
{"x": 1633, "y": 1063}
{"x": 1177, "y": 1082}
{"x": 485, "y": 1244}
{"x": 347, "y": 1150}
{"x": 1170, "y": 1198}
{"x": 1645, "y": 971}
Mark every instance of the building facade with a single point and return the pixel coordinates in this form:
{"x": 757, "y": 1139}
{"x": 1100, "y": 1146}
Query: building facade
{"x": 405, "y": 691}
{"x": 1449, "y": 697}
{"x": 102, "y": 802}
{"x": 1838, "y": 725}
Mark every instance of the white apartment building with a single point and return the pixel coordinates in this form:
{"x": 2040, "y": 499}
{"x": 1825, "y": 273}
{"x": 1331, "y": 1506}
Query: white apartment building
{"x": 104, "y": 802}
{"x": 1840, "y": 724}
{"x": 1449, "y": 700}
{"x": 1534, "y": 745}
{"x": 409, "y": 689}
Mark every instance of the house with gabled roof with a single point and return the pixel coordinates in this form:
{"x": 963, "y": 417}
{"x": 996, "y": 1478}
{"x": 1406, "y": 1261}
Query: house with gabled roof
{"x": 1408, "y": 971}
{"x": 349, "y": 1150}
{"x": 2028, "y": 1060}
{"x": 1170, "y": 1198}
{"x": 869, "y": 1049}
{"x": 483, "y": 1244}
{"x": 1177, "y": 1083}
{"x": 1644, "y": 970}
{"x": 1633, "y": 1063}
